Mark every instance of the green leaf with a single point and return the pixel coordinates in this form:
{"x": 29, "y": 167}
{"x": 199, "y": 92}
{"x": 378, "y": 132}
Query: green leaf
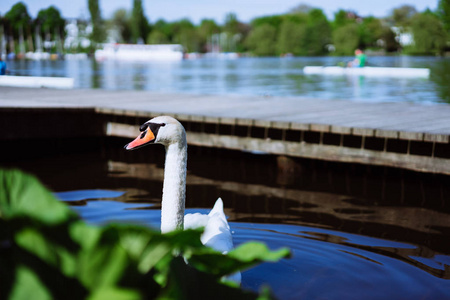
{"x": 46, "y": 250}
{"x": 24, "y": 195}
{"x": 243, "y": 257}
{"x": 28, "y": 286}
{"x": 186, "y": 282}
{"x": 111, "y": 292}
{"x": 252, "y": 251}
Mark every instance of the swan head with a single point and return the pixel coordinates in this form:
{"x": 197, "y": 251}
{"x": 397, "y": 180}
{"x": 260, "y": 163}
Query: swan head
{"x": 163, "y": 130}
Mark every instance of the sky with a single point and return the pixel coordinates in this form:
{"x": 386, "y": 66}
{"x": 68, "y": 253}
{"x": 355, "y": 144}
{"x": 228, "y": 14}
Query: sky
{"x": 196, "y": 10}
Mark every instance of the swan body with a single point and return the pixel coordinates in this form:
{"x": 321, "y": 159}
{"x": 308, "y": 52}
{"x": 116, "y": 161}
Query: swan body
{"x": 216, "y": 234}
{"x": 169, "y": 132}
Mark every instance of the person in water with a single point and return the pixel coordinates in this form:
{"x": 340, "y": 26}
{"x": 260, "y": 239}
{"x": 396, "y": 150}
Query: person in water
{"x": 2, "y": 66}
{"x": 359, "y": 61}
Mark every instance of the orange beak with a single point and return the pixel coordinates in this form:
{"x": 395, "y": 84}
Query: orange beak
{"x": 146, "y": 137}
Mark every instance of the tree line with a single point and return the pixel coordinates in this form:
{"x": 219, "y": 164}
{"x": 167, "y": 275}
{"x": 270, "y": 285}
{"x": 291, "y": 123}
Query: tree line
{"x": 303, "y": 31}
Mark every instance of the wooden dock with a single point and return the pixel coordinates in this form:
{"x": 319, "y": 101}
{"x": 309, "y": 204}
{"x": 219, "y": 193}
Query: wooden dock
{"x": 403, "y": 135}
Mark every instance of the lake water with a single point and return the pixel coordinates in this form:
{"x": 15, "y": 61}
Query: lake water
{"x": 255, "y": 76}
{"x": 356, "y": 232}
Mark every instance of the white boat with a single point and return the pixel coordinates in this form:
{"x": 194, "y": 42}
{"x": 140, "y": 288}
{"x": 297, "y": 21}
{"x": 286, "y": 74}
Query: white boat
{"x": 75, "y": 56}
{"x": 128, "y": 52}
{"x": 222, "y": 55}
{"x": 368, "y": 71}
{"x": 37, "y": 82}
{"x": 38, "y": 55}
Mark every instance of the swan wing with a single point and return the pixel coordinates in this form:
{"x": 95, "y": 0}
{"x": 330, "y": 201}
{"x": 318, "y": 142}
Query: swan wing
{"x": 196, "y": 220}
{"x": 217, "y": 208}
{"x": 217, "y": 234}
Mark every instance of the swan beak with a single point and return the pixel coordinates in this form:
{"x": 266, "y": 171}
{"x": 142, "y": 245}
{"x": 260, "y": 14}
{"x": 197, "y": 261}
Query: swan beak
{"x": 143, "y": 139}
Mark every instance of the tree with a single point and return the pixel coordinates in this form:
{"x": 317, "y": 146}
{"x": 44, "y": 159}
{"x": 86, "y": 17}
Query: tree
{"x": 318, "y": 33}
{"x": 139, "y": 23}
{"x": 231, "y": 23}
{"x": 121, "y": 22}
{"x": 164, "y": 27}
{"x": 261, "y": 40}
{"x": 235, "y": 32}
{"x": 346, "y": 39}
{"x": 389, "y": 38}
{"x": 50, "y": 20}
{"x": 342, "y": 18}
{"x": 98, "y": 34}
{"x": 443, "y": 13}
{"x": 18, "y": 17}
{"x": 184, "y": 33}
{"x": 207, "y": 28}
{"x": 402, "y": 15}
{"x": 370, "y": 31}
{"x": 157, "y": 37}
{"x": 274, "y": 21}
{"x": 291, "y": 38}
{"x": 429, "y": 34}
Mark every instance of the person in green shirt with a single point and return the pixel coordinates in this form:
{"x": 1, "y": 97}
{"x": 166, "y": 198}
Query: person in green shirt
{"x": 359, "y": 61}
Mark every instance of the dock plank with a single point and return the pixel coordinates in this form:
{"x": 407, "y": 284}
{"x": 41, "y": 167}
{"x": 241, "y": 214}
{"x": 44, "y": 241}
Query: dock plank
{"x": 281, "y": 119}
{"x": 339, "y": 114}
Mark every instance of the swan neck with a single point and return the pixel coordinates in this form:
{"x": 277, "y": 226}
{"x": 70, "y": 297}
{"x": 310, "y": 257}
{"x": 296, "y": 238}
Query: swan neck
{"x": 174, "y": 187}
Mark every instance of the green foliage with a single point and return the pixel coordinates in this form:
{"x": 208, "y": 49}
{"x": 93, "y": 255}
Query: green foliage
{"x": 188, "y": 38}
{"x": 390, "y": 43}
{"x": 121, "y": 22}
{"x": 318, "y": 33}
{"x": 304, "y": 30}
{"x": 184, "y": 33}
{"x": 291, "y": 38}
{"x": 346, "y": 39}
{"x": 443, "y": 13}
{"x": 231, "y": 23}
{"x": 429, "y": 34}
{"x": 18, "y": 17}
{"x": 274, "y": 21}
{"x": 138, "y": 23}
{"x": 403, "y": 15}
{"x": 262, "y": 40}
{"x": 164, "y": 27}
{"x": 50, "y": 20}
{"x": 370, "y": 31}
{"x": 47, "y": 252}
{"x": 157, "y": 37}
{"x": 298, "y": 18}
{"x": 341, "y": 18}
{"x": 207, "y": 28}
{"x": 98, "y": 30}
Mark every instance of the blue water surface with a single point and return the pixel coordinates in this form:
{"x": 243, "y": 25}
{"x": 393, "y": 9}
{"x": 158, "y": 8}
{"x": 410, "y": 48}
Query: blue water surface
{"x": 254, "y": 76}
{"x": 326, "y": 264}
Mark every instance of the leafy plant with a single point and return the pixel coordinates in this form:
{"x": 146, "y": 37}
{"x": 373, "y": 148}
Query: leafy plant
{"x": 48, "y": 252}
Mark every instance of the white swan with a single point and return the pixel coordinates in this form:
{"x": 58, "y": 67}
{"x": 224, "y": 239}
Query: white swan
{"x": 169, "y": 132}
